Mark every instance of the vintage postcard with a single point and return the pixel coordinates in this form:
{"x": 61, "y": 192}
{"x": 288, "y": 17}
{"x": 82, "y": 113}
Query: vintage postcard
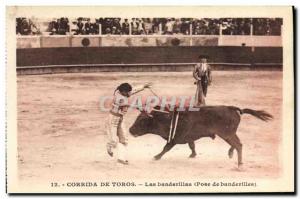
{"x": 158, "y": 99}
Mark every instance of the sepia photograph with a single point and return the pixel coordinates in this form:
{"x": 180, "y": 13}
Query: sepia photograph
{"x": 157, "y": 99}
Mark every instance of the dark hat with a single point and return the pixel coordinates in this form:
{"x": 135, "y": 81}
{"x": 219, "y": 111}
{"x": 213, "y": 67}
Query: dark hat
{"x": 203, "y": 57}
{"x": 125, "y": 87}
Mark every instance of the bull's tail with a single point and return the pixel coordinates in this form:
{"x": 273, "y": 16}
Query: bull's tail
{"x": 260, "y": 114}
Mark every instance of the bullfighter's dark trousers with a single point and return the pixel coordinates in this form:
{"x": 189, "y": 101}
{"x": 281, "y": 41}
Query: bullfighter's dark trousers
{"x": 204, "y": 85}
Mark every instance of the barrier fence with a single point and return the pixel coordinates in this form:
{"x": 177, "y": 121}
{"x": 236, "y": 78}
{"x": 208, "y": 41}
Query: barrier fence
{"x": 55, "y": 41}
{"x": 56, "y": 54}
{"x": 150, "y": 67}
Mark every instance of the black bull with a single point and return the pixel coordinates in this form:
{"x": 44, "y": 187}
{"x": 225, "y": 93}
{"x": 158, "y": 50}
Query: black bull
{"x": 192, "y": 125}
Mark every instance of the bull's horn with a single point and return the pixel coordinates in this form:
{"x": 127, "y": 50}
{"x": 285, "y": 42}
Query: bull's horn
{"x": 160, "y": 111}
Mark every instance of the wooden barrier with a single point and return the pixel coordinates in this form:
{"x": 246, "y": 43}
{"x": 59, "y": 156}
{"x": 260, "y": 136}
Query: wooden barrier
{"x": 139, "y": 55}
{"x": 54, "y": 69}
{"x": 56, "y": 41}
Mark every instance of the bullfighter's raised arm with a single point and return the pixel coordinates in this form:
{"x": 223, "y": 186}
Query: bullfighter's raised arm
{"x": 140, "y": 88}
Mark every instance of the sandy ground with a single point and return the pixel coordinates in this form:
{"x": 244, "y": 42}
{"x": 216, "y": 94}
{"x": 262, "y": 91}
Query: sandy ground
{"x": 61, "y": 134}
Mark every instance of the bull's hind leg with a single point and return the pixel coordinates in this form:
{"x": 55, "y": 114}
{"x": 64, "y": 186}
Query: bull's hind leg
{"x": 235, "y": 143}
{"x": 239, "y": 149}
{"x": 167, "y": 148}
{"x": 192, "y": 147}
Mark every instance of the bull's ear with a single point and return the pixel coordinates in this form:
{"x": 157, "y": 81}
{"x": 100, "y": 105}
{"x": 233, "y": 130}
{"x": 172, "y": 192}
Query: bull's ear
{"x": 146, "y": 113}
{"x": 139, "y": 109}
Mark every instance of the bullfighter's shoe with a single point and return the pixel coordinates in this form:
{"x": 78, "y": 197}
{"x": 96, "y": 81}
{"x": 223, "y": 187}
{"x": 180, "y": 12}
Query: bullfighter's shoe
{"x": 123, "y": 161}
{"x": 109, "y": 151}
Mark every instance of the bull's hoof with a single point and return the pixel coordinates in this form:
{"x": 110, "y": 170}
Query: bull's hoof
{"x": 157, "y": 157}
{"x": 193, "y": 155}
{"x": 241, "y": 167}
{"x": 230, "y": 154}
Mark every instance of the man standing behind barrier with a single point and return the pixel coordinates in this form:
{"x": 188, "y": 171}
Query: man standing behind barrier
{"x": 202, "y": 74}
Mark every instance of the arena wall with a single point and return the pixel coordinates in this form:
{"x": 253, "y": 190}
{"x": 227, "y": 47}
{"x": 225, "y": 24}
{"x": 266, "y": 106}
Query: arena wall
{"x": 137, "y": 55}
{"x": 257, "y": 41}
{"x": 154, "y": 53}
{"x": 149, "y": 40}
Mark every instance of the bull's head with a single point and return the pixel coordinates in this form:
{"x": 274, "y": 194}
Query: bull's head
{"x": 155, "y": 122}
{"x": 143, "y": 124}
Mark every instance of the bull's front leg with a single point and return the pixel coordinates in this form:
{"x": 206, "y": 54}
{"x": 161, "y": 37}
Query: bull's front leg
{"x": 167, "y": 148}
{"x": 192, "y": 147}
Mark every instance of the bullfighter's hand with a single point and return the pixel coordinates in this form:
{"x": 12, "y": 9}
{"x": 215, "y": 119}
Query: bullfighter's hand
{"x": 148, "y": 85}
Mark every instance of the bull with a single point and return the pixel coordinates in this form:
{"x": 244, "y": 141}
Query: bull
{"x": 209, "y": 121}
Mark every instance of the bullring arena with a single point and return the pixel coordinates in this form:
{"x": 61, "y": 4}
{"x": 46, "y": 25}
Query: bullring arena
{"x": 61, "y": 129}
